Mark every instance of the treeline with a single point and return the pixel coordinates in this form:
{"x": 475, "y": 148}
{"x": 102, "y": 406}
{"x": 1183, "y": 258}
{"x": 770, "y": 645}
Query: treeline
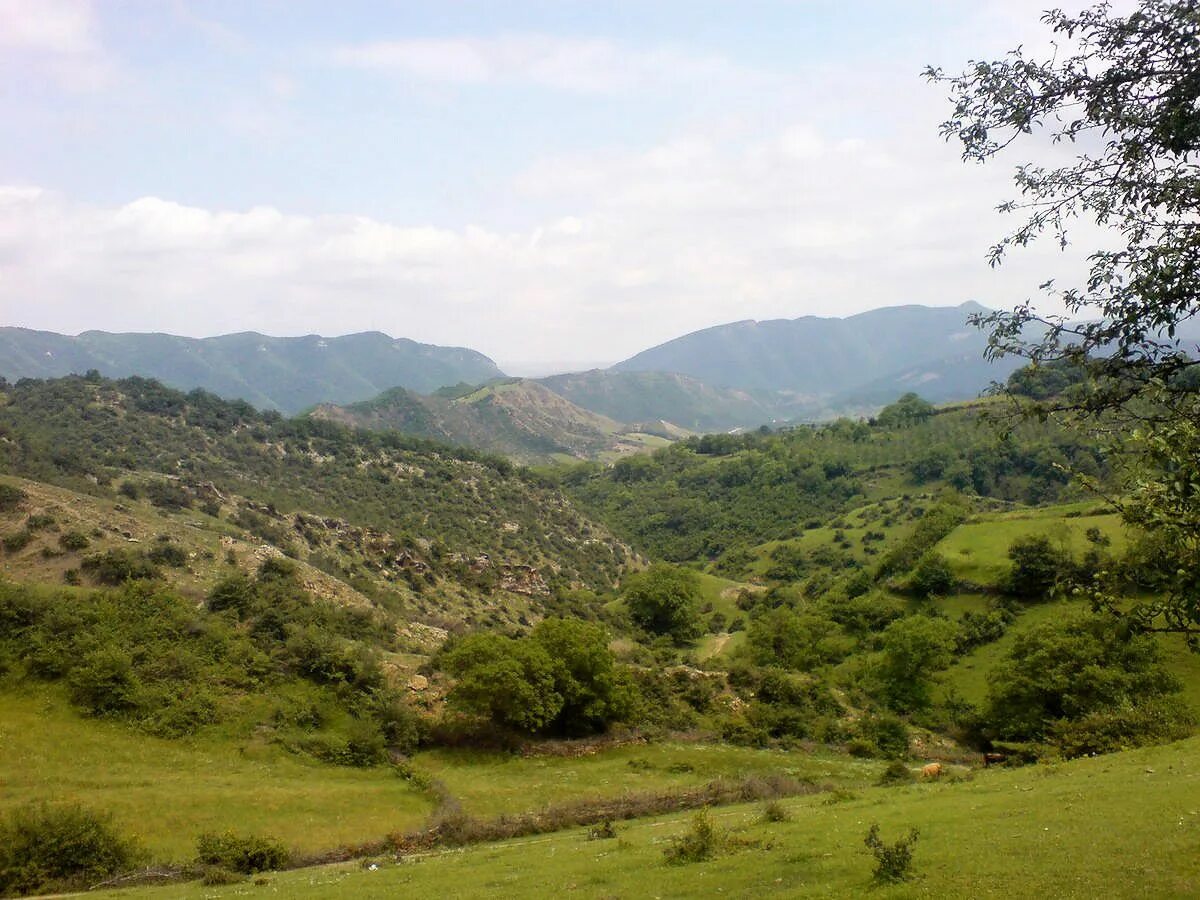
{"x": 711, "y": 495}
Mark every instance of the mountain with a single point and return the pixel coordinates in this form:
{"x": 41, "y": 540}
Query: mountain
{"x": 282, "y": 373}
{"x": 664, "y": 397}
{"x": 519, "y": 418}
{"x": 820, "y": 357}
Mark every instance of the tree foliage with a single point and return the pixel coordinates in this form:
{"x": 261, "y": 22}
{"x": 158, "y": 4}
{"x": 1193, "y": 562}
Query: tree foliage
{"x": 1123, "y": 91}
{"x": 664, "y": 600}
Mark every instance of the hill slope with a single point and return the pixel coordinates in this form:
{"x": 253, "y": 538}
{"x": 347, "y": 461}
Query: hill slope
{"x": 630, "y": 396}
{"x": 283, "y": 373}
{"x": 310, "y": 484}
{"x": 819, "y": 356}
{"x": 519, "y": 418}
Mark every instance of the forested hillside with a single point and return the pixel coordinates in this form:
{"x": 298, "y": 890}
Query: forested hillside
{"x": 93, "y": 434}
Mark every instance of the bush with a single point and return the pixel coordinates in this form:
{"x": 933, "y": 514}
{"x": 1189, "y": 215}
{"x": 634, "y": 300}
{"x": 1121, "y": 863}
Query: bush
{"x": 115, "y": 567}
{"x": 774, "y": 811}
{"x": 932, "y": 576}
{"x": 73, "y": 541}
{"x": 44, "y": 848}
{"x": 893, "y": 862}
{"x": 698, "y": 843}
{"x": 17, "y": 541}
{"x": 240, "y": 853}
{"x": 896, "y": 773}
{"x": 10, "y": 497}
{"x": 1037, "y": 566}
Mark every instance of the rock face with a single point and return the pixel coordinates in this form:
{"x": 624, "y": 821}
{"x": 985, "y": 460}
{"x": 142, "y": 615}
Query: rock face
{"x": 523, "y": 580}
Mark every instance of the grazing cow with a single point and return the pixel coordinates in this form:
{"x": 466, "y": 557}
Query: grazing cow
{"x": 994, "y": 759}
{"x": 932, "y": 772}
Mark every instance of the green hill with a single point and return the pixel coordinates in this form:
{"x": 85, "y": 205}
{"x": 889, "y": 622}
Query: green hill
{"x": 880, "y": 354}
{"x": 517, "y": 418}
{"x": 663, "y": 396}
{"x": 283, "y": 373}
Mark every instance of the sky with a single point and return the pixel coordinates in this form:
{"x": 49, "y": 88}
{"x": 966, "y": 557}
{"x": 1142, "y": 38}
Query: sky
{"x": 557, "y": 184}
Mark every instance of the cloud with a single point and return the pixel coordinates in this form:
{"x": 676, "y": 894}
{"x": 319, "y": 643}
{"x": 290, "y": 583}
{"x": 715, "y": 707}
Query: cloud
{"x": 690, "y": 233}
{"x": 56, "y": 37}
{"x": 578, "y": 65}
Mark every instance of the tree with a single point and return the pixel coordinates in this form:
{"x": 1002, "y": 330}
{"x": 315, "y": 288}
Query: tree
{"x": 510, "y": 681}
{"x": 912, "y": 649}
{"x": 907, "y": 411}
{"x": 1037, "y": 566}
{"x": 592, "y": 689}
{"x": 1084, "y": 681}
{"x": 663, "y": 600}
{"x": 1123, "y": 91}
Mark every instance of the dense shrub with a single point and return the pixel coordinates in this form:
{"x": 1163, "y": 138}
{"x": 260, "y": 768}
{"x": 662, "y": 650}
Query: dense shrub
{"x": 73, "y": 541}
{"x": 1085, "y": 683}
{"x": 45, "y": 848}
{"x": 1037, "y": 566}
{"x": 240, "y": 853}
{"x": 114, "y": 567}
{"x": 17, "y": 541}
{"x": 932, "y": 576}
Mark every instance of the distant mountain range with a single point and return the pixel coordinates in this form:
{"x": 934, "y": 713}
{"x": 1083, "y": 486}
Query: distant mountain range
{"x": 739, "y": 375}
{"x": 819, "y": 357}
{"x": 284, "y": 373}
{"x": 518, "y": 418}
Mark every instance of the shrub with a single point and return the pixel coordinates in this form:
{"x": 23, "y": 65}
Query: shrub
{"x": 893, "y": 862}
{"x": 932, "y": 576}
{"x": 698, "y": 843}
{"x": 240, "y": 853}
{"x": 1037, "y": 566}
{"x": 602, "y": 831}
{"x": 115, "y": 567}
{"x": 45, "y": 848}
{"x": 73, "y": 541}
{"x": 17, "y": 541}
{"x": 10, "y": 497}
{"x": 774, "y": 811}
{"x": 168, "y": 554}
{"x": 896, "y": 773}
{"x": 103, "y": 682}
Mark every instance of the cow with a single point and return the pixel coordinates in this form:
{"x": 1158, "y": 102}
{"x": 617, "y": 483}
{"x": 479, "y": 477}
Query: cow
{"x": 931, "y": 772}
{"x": 994, "y": 759}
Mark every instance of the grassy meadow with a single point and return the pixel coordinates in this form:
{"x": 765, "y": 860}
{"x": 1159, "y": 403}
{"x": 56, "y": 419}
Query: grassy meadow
{"x": 1126, "y": 825}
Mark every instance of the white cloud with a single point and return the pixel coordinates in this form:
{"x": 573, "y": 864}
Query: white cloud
{"x": 650, "y": 245}
{"x": 582, "y": 65}
{"x": 57, "y": 37}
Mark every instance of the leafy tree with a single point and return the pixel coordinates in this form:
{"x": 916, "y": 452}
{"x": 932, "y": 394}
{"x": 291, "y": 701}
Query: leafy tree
{"x": 593, "y": 691}
{"x": 1123, "y": 90}
{"x": 1037, "y": 566}
{"x": 1083, "y": 670}
{"x": 664, "y": 600}
{"x": 781, "y": 637}
{"x": 911, "y": 651}
{"x": 932, "y": 576}
{"x": 508, "y": 680}
{"x": 907, "y": 411}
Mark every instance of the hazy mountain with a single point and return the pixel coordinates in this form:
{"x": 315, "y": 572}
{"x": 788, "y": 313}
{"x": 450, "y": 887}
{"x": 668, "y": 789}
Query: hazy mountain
{"x": 284, "y": 373}
{"x": 821, "y": 357}
{"x": 518, "y": 418}
{"x": 671, "y": 397}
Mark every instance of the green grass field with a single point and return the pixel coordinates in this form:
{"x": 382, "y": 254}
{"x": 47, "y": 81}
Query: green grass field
{"x": 493, "y": 784}
{"x": 1126, "y": 825}
{"x": 168, "y": 791}
{"x": 978, "y": 549}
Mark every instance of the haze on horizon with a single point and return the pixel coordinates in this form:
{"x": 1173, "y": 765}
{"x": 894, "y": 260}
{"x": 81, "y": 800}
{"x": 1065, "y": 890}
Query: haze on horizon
{"x": 550, "y": 183}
